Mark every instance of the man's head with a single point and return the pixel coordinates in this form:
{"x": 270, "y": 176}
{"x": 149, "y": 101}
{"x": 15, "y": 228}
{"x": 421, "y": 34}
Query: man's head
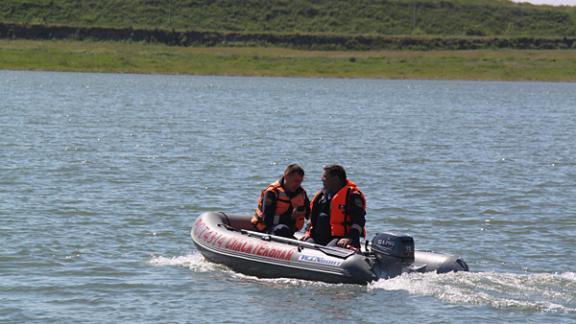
{"x": 334, "y": 177}
{"x": 293, "y": 177}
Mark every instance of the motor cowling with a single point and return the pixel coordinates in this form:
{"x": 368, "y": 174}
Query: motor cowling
{"x": 393, "y": 245}
{"x": 394, "y": 252}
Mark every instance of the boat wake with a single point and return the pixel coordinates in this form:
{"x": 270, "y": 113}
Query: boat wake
{"x": 539, "y": 292}
{"x": 195, "y": 262}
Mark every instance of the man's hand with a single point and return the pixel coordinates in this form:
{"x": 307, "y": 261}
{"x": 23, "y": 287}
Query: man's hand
{"x": 344, "y": 242}
{"x": 261, "y": 227}
{"x": 299, "y": 220}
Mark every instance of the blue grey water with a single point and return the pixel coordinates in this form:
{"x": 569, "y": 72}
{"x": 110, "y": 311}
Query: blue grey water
{"x": 102, "y": 176}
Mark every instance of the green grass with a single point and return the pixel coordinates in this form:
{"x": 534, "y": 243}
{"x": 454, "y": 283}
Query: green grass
{"x": 123, "y": 57}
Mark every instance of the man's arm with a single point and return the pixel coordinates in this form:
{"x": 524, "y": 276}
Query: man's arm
{"x": 357, "y": 212}
{"x": 307, "y": 205}
{"x": 269, "y": 208}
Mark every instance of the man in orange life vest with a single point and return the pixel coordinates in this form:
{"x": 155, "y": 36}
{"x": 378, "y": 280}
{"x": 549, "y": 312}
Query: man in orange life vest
{"x": 338, "y": 211}
{"x": 283, "y": 206}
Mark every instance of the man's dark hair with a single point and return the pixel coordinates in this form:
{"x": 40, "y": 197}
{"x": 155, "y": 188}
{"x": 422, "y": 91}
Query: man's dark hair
{"x": 336, "y": 170}
{"x": 294, "y": 168}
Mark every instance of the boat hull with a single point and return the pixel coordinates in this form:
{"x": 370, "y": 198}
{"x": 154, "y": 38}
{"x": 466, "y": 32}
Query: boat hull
{"x": 229, "y": 240}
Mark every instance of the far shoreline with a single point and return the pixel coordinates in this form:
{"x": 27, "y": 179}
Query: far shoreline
{"x": 142, "y": 58}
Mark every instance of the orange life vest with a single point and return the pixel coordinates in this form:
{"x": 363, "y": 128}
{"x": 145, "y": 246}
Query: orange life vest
{"x": 284, "y": 206}
{"x": 340, "y": 219}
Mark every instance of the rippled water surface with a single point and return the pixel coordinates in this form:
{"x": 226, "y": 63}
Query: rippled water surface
{"x": 102, "y": 176}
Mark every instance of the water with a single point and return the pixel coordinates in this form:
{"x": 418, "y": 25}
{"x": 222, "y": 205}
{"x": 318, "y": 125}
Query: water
{"x": 102, "y": 176}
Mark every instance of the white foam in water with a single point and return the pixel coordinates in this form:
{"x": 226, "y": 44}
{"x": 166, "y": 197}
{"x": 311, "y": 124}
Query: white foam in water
{"x": 569, "y": 276}
{"x": 196, "y": 262}
{"x": 285, "y": 282}
{"x": 528, "y": 292}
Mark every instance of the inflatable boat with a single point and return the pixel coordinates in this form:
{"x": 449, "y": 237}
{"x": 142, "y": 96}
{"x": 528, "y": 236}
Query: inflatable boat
{"x": 231, "y": 240}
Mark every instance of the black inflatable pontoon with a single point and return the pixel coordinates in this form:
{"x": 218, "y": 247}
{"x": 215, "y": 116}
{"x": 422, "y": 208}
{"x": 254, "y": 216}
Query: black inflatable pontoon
{"x": 230, "y": 240}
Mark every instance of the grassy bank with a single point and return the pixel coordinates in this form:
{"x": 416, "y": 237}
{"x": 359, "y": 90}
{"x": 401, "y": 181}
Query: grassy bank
{"x": 541, "y": 65}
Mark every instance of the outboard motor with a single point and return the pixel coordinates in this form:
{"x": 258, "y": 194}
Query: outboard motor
{"x": 394, "y": 252}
